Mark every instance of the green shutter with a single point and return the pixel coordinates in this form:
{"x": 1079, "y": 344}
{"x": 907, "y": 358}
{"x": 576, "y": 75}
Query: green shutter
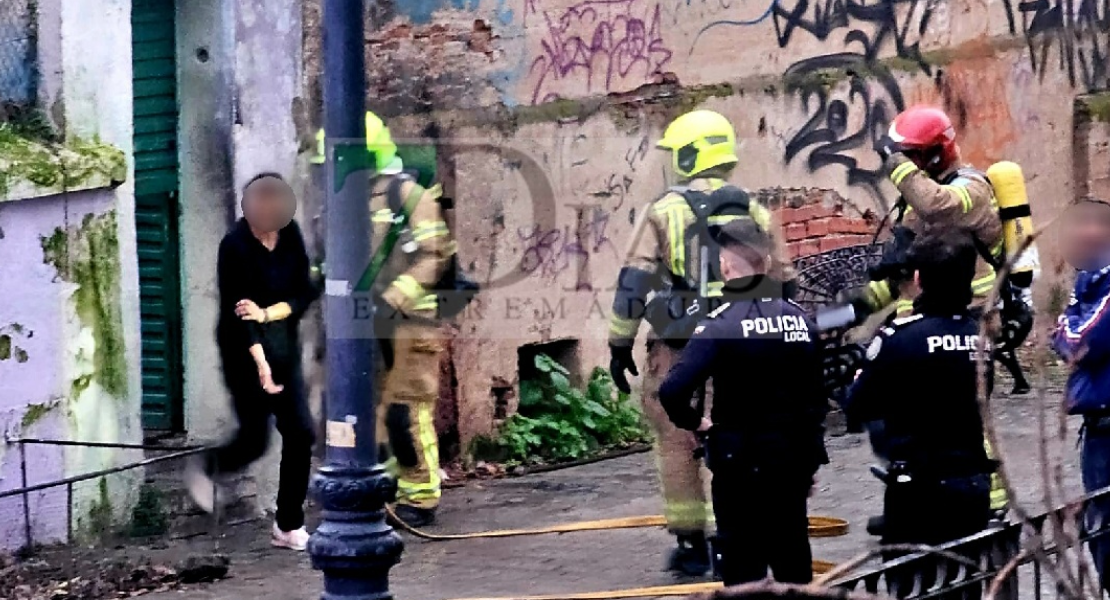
{"x": 156, "y": 209}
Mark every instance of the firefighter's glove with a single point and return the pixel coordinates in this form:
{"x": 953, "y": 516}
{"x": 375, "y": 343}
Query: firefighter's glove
{"x": 885, "y": 147}
{"x": 619, "y": 362}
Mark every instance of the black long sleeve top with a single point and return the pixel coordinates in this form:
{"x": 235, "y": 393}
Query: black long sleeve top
{"x": 921, "y": 380}
{"x": 761, "y": 353}
{"x": 247, "y": 270}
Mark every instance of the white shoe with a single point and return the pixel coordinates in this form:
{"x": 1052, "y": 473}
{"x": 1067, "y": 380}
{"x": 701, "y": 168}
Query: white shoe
{"x": 201, "y": 487}
{"x": 293, "y": 540}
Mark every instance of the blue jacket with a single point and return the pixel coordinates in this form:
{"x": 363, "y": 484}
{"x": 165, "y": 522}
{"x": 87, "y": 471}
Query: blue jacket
{"x": 1083, "y": 339}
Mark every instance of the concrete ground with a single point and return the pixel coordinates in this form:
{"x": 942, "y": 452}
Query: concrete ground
{"x": 596, "y": 561}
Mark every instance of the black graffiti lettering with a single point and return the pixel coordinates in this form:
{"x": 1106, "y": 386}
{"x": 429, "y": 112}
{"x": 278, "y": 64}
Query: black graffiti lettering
{"x": 1079, "y": 32}
{"x": 827, "y": 129}
{"x": 873, "y": 96}
{"x": 882, "y": 17}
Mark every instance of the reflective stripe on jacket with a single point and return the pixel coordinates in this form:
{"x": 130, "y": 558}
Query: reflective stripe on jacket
{"x": 965, "y": 202}
{"x": 659, "y": 246}
{"x": 419, "y": 260}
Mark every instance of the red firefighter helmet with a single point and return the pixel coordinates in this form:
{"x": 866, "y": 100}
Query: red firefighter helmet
{"x": 928, "y": 138}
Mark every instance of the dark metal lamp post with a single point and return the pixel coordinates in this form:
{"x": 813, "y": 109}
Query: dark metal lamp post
{"x": 354, "y": 546}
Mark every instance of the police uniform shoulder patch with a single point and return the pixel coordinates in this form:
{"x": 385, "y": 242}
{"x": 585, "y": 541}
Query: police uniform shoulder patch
{"x": 905, "y": 320}
{"x": 720, "y": 309}
{"x": 874, "y": 348}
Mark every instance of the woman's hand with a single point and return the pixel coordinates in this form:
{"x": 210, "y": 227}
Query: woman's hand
{"x": 249, "y": 311}
{"x": 266, "y": 378}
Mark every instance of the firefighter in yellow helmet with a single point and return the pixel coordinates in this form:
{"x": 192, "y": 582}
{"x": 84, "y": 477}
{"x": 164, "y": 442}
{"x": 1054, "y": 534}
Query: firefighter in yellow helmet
{"x": 407, "y": 324}
{"x": 668, "y": 259}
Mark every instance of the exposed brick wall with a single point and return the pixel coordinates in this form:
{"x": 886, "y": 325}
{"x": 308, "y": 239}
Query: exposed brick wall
{"x": 817, "y": 220}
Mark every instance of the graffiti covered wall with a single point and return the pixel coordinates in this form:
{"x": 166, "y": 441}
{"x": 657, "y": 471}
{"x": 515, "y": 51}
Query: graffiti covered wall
{"x": 574, "y": 93}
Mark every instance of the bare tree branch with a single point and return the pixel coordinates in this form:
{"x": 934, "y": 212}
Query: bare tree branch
{"x": 1006, "y": 570}
{"x": 1064, "y": 577}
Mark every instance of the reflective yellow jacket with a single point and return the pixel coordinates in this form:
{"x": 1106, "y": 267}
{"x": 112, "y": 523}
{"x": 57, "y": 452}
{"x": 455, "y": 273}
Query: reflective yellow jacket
{"x": 966, "y": 202}
{"x": 659, "y": 247}
{"x": 419, "y": 260}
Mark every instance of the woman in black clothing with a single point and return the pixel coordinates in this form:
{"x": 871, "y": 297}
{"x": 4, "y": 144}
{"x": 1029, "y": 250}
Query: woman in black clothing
{"x": 265, "y": 288}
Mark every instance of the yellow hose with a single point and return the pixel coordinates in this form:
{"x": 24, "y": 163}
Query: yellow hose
{"x": 818, "y": 527}
{"x": 819, "y": 567}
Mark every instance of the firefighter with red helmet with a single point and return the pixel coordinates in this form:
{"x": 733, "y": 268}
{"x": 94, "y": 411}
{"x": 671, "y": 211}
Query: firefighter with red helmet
{"x": 938, "y": 191}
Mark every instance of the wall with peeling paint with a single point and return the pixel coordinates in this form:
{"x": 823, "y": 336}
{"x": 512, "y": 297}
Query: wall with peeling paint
{"x": 241, "y": 114}
{"x": 573, "y": 93}
{"x": 69, "y": 330}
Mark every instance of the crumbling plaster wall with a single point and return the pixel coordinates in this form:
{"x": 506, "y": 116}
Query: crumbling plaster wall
{"x": 575, "y": 93}
{"x": 69, "y": 319}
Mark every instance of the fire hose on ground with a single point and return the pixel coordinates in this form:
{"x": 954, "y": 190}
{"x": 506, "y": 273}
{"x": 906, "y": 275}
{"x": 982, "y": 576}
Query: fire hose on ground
{"x": 818, "y": 527}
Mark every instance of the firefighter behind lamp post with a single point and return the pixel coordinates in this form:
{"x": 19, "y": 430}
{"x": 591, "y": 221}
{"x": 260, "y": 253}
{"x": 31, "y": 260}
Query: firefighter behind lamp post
{"x": 673, "y": 260}
{"x": 415, "y": 282}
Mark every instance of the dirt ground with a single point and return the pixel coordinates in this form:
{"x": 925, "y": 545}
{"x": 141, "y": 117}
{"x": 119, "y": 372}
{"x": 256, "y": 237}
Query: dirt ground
{"x": 586, "y": 561}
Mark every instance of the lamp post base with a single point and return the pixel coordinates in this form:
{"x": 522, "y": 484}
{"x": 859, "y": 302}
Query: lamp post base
{"x": 354, "y": 546}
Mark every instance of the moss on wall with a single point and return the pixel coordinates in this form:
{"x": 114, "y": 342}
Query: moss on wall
{"x": 88, "y": 255}
{"x": 100, "y": 513}
{"x": 149, "y": 518}
{"x": 8, "y": 348}
{"x": 73, "y": 165}
{"x": 35, "y": 413}
{"x": 1094, "y": 107}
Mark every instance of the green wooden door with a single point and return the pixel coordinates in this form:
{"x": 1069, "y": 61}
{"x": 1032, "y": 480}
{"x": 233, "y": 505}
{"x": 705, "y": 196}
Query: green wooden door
{"x": 156, "y": 209}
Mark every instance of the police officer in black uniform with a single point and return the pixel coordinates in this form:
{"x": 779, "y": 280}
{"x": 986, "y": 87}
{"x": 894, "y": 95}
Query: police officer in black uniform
{"x": 938, "y": 486}
{"x": 765, "y": 440}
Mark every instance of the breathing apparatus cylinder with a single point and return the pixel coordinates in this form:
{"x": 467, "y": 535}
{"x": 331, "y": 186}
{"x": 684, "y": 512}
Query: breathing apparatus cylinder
{"x": 1017, "y": 223}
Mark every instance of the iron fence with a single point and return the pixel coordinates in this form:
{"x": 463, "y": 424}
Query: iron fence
{"x": 1012, "y": 548}
{"x": 47, "y": 496}
{"x": 19, "y": 72}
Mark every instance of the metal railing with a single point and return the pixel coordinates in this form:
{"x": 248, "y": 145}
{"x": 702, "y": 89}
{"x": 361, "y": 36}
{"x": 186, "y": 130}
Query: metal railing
{"x": 19, "y": 72}
{"x": 173, "y": 453}
{"x": 940, "y": 575}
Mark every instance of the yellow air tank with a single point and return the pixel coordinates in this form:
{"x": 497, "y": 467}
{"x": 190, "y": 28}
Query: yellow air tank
{"x": 1013, "y": 208}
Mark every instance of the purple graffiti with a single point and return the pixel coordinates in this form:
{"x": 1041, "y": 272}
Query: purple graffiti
{"x": 603, "y": 41}
{"x": 550, "y": 252}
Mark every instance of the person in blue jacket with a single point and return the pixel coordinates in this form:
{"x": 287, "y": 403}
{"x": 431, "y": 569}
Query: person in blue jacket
{"x": 1083, "y": 339}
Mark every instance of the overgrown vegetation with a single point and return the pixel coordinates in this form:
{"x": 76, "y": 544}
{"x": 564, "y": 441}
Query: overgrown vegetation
{"x": 558, "y": 422}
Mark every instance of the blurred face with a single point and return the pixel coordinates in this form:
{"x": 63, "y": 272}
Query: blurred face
{"x": 268, "y": 204}
{"x": 1086, "y": 235}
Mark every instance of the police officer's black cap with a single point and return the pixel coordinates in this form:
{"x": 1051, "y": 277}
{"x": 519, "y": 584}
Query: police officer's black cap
{"x": 743, "y": 231}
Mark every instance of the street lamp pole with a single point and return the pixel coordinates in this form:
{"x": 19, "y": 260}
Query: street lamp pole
{"x": 353, "y": 546}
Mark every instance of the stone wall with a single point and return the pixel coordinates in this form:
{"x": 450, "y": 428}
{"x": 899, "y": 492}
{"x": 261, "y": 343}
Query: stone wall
{"x": 547, "y": 111}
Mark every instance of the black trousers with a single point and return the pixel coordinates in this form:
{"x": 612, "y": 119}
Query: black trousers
{"x": 253, "y": 409}
{"x": 933, "y": 512}
{"x": 762, "y": 523}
